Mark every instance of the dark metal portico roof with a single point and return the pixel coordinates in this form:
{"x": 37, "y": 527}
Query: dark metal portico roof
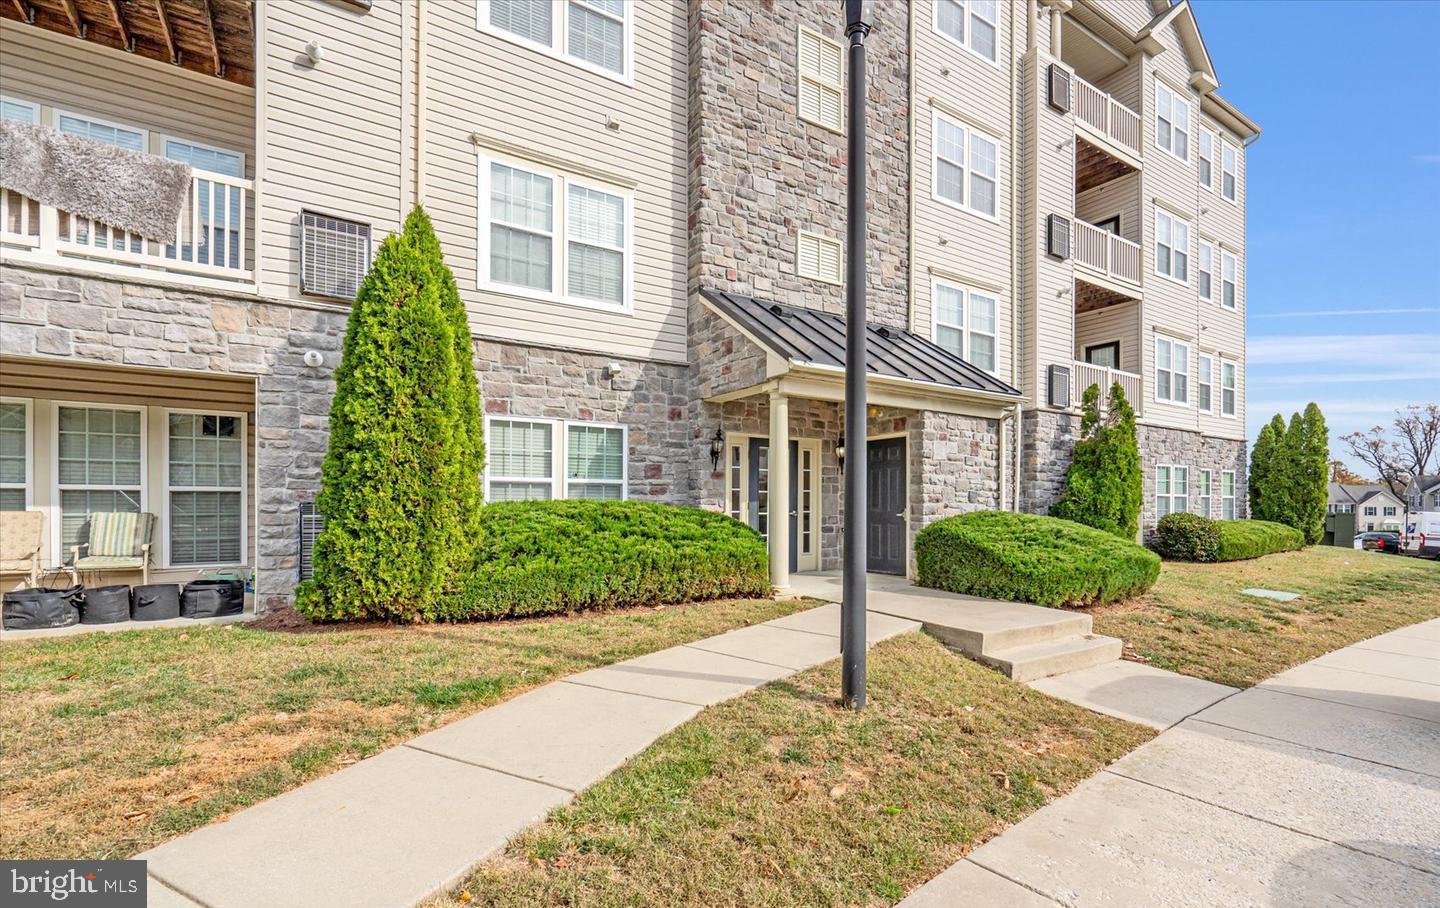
{"x": 807, "y": 337}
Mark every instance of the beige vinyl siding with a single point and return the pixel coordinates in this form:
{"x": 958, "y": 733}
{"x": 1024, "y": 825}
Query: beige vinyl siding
{"x": 1113, "y": 323}
{"x": 1118, "y": 197}
{"x": 1169, "y": 307}
{"x": 45, "y": 382}
{"x": 1132, "y": 14}
{"x": 1124, "y": 85}
{"x": 478, "y": 83}
{"x": 332, "y": 131}
{"x": 954, "y": 245}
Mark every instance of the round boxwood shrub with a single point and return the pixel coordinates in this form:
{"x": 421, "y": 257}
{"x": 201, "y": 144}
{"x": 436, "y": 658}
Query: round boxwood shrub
{"x": 1029, "y": 558}
{"x": 552, "y": 557}
{"x": 1187, "y": 537}
{"x": 1240, "y": 539}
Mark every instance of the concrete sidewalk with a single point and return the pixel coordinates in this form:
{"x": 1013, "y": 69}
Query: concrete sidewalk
{"x": 393, "y": 829}
{"x": 1319, "y": 787}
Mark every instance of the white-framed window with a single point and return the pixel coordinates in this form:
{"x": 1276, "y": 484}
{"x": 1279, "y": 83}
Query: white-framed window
{"x": 16, "y": 466}
{"x": 205, "y": 488}
{"x": 1172, "y": 121}
{"x": 1369, "y": 510}
{"x": 99, "y": 464}
{"x": 1205, "y": 270}
{"x": 1205, "y": 386}
{"x": 1388, "y": 511}
{"x": 530, "y": 459}
{"x": 818, "y": 257}
{"x": 1172, "y": 246}
{"x": 593, "y": 34}
{"x": 1227, "y": 494}
{"x": 820, "y": 64}
{"x": 554, "y": 236}
{"x": 1206, "y": 157}
{"x": 965, "y": 167}
{"x": 1227, "y": 280}
{"x": 1228, "y": 155}
{"x": 1172, "y": 371}
{"x": 1172, "y": 489}
{"x": 972, "y": 24}
{"x": 18, "y": 110}
{"x": 118, "y": 134}
{"x": 1205, "y": 491}
{"x": 965, "y": 323}
{"x": 1227, "y": 387}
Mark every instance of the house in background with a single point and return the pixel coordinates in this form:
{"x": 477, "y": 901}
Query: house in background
{"x": 1371, "y": 506}
{"x": 1422, "y": 522}
{"x": 643, "y": 205}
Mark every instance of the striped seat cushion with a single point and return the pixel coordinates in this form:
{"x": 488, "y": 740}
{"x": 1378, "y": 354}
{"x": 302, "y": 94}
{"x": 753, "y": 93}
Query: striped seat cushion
{"x": 108, "y": 563}
{"x": 118, "y": 535}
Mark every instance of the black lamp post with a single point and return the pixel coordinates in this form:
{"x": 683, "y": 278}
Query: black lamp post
{"x": 852, "y": 609}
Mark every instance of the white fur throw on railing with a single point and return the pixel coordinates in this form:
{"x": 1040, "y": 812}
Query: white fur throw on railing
{"x": 136, "y": 192}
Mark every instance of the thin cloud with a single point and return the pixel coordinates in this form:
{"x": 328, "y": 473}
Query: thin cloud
{"x": 1341, "y": 349}
{"x": 1313, "y": 313}
{"x": 1346, "y": 378}
{"x": 1426, "y": 159}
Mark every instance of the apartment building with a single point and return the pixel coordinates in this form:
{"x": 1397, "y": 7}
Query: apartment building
{"x": 643, "y": 204}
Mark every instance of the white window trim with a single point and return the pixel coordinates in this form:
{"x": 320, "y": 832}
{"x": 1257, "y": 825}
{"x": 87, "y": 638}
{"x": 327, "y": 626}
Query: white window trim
{"x": 1234, "y": 513}
{"x": 1171, "y": 494}
{"x": 559, "y": 443}
{"x": 966, "y": 12}
{"x": 1234, "y": 280}
{"x": 1213, "y": 249}
{"x": 1201, "y": 136}
{"x": 29, "y": 485}
{"x": 824, "y": 240}
{"x": 56, "y": 113}
{"x": 1178, "y": 98}
{"x": 1155, "y": 371}
{"x": 558, "y": 48}
{"x": 970, "y": 132}
{"x": 1234, "y": 171}
{"x": 166, "y": 139}
{"x": 802, "y": 32}
{"x": 965, "y": 330}
{"x": 1205, "y": 378}
{"x": 34, "y": 106}
{"x": 163, "y": 519}
{"x": 1235, "y": 373}
{"x": 1155, "y": 246}
{"x": 559, "y": 274}
{"x": 1205, "y": 490}
{"x": 57, "y": 531}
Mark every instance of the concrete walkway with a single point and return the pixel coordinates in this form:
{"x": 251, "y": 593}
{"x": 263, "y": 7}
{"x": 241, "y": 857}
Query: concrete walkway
{"x": 1319, "y": 787}
{"x": 391, "y": 830}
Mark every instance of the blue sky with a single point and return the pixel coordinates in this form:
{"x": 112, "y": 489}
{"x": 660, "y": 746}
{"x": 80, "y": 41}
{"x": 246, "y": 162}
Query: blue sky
{"x": 1344, "y": 206}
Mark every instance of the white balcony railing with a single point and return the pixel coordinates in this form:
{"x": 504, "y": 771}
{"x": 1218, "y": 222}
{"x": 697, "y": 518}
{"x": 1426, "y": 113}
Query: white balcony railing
{"x": 1087, "y": 374}
{"x": 210, "y": 245}
{"x": 1106, "y": 115}
{"x": 1104, "y": 251}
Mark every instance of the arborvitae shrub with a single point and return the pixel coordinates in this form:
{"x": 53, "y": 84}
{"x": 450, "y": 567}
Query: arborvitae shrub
{"x": 1104, "y": 486}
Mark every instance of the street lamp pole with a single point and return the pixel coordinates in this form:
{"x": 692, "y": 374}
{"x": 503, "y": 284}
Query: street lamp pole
{"x": 852, "y": 609}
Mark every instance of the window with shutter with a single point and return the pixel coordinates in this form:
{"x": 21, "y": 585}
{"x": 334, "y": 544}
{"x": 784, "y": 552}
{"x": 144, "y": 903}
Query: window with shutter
{"x": 334, "y": 255}
{"x": 821, "y": 66}
{"x": 818, "y": 257}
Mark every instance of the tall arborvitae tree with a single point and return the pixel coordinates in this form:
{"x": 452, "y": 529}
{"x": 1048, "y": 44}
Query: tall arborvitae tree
{"x": 1103, "y": 485}
{"x": 1262, "y": 466}
{"x": 1313, "y": 474}
{"x": 1283, "y": 486}
{"x": 400, "y": 479}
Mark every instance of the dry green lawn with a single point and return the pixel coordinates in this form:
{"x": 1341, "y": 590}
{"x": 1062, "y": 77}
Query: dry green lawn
{"x": 781, "y": 798}
{"x": 1196, "y": 621}
{"x": 113, "y": 743}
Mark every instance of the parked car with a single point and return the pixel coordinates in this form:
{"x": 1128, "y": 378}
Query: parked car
{"x": 1378, "y": 542}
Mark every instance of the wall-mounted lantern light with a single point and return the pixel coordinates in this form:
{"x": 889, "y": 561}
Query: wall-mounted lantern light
{"x": 840, "y": 452}
{"x": 717, "y": 447}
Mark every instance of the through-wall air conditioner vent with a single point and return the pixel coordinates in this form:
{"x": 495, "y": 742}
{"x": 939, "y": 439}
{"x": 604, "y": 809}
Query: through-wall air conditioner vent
{"x": 334, "y": 255}
{"x": 1059, "y": 84}
{"x": 1057, "y": 236}
{"x": 1059, "y": 386}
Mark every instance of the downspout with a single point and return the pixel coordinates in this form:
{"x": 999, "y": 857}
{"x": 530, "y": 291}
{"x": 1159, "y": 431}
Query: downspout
{"x": 910, "y": 165}
{"x": 422, "y": 18}
{"x": 1017, "y": 237}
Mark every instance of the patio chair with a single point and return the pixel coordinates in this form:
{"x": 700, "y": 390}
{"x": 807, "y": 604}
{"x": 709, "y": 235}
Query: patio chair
{"x": 21, "y": 534}
{"x": 114, "y": 541}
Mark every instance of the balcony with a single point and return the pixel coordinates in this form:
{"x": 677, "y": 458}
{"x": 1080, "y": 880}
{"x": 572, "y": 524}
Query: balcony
{"x": 1109, "y": 137}
{"x": 211, "y": 245}
{"x": 1112, "y": 256}
{"x": 1087, "y": 374}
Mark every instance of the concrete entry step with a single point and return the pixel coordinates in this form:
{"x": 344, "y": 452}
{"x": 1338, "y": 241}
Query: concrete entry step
{"x": 1053, "y": 657}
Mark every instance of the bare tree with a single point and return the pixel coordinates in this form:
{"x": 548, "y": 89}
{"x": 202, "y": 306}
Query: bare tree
{"x": 1380, "y": 454}
{"x": 1418, "y": 429}
{"x": 1416, "y": 439}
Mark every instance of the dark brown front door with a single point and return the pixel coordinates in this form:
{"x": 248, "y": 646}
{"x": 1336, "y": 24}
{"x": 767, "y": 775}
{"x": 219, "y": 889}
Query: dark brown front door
{"x": 885, "y": 519}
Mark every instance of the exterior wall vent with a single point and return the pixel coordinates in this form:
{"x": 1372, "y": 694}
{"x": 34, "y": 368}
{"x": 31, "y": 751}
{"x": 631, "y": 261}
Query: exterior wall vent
{"x": 334, "y": 255}
{"x": 1057, "y": 236}
{"x": 311, "y": 523}
{"x": 1060, "y": 386}
{"x": 1059, "y": 84}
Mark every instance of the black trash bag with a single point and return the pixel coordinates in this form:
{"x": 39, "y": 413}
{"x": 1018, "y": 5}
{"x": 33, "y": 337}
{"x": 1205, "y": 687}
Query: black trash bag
{"x": 106, "y": 605}
{"x": 155, "y": 602}
{"x": 41, "y": 607}
{"x": 212, "y": 598}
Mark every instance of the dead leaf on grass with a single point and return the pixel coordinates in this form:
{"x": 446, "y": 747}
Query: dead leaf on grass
{"x": 1003, "y": 779}
{"x": 839, "y": 790}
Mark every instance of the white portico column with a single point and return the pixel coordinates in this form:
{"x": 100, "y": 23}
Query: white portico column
{"x": 778, "y": 485}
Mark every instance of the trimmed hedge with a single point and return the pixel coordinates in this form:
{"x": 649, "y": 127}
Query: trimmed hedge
{"x": 552, "y": 557}
{"x": 1190, "y": 537}
{"x": 1187, "y": 537}
{"x": 1241, "y": 539}
{"x": 1029, "y": 558}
